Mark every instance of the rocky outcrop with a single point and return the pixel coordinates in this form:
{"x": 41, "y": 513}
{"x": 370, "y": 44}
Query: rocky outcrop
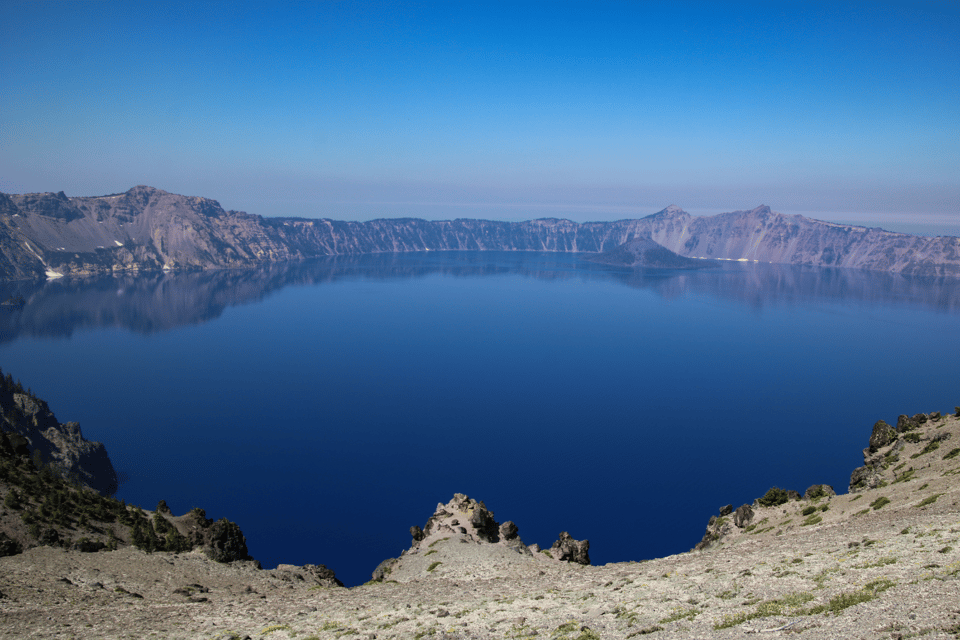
{"x": 883, "y": 434}
{"x": 315, "y": 575}
{"x": 42, "y": 508}
{"x": 569, "y": 550}
{"x": 719, "y": 527}
{"x": 146, "y": 229}
{"x": 225, "y": 542}
{"x": 220, "y": 540}
{"x": 462, "y": 538}
{"x": 60, "y": 445}
{"x": 743, "y": 516}
{"x": 887, "y": 444}
{"x": 463, "y": 516}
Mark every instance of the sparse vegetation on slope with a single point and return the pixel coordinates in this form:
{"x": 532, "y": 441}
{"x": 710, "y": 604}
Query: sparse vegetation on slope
{"x": 811, "y": 565}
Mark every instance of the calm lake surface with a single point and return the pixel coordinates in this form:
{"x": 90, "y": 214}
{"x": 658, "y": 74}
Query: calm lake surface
{"x": 328, "y": 406}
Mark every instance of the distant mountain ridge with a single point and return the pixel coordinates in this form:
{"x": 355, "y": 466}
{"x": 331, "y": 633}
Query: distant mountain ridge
{"x": 146, "y": 229}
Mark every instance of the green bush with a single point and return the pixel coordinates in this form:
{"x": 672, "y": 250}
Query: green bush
{"x": 928, "y": 500}
{"x": 775, "y": 496}
{"x": 816, "y": 491}
{"x": 933, "y": 445}
{"x": 844, "y": 600}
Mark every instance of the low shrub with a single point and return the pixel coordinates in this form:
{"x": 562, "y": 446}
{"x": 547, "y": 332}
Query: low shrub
{"x": 928, "y": 500}
{"x": 775, "y": 496}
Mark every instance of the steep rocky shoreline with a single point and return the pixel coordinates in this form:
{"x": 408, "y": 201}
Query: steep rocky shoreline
{"x": 61, "y": 445}
{"x": 146, "y": 229}
{"x": 881, "y": 561}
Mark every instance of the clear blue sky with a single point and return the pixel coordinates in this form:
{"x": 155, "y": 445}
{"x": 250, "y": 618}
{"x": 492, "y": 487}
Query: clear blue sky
{"x": 590, "y": 111}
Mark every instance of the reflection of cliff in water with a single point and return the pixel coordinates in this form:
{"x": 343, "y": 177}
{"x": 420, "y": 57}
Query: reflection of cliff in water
{"x": 760, "y": 285}
{"x": 158, "y": 302}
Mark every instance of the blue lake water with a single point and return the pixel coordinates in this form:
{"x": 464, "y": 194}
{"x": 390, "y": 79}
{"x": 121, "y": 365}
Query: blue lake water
{"x": 328, "y": 406}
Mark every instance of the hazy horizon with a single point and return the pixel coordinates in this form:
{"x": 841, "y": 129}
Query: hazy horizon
{"x": 358, "y": 110}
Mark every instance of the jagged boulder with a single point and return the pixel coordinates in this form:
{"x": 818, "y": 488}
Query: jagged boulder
{"x": 508, "y": 530}
{"x": 225, "y": 542}
{"x": 569, "y": 550}
{"x": 726, "y": 510}
{"x": 743, "y": 516}
{"x": 883, "y": 434}
{"x": 483, "y": 523}
{"x": 906, "y": 423}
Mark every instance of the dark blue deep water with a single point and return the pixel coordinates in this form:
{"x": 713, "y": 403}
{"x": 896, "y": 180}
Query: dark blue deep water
{"x": 326, "y": 407}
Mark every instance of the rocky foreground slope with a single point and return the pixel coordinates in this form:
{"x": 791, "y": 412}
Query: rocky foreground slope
{"x": 881, "y": 561}
{"x": 146, "y": 229}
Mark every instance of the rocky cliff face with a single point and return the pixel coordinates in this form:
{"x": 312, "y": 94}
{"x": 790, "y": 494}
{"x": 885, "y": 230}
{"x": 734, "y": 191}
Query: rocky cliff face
{"x": 146, "y": 229}
{"x": 18, "y": 258}
{"x": 62, "y": 445}
{"x": 766, "y": 236}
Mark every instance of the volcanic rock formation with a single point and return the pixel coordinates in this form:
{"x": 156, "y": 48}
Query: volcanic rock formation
{"x": 462, "y": 539}
{"x": 146, "y": 229}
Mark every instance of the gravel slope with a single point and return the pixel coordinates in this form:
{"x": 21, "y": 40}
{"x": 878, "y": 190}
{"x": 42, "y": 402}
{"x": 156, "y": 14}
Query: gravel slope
{"x": 860, "y": 571}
